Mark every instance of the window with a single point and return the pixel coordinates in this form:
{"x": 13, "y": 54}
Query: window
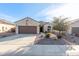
{"x": 49, "y": 27}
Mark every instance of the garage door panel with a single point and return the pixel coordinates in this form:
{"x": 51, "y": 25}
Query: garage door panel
{"x": 27, "y": 29}
{"x": 75, "y": 29}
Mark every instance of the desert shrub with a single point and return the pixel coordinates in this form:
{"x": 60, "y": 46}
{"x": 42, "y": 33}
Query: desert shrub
{"x": 48, "y": 35}
{"x": 59, "y": 34}
{"x": 12, "y": 29}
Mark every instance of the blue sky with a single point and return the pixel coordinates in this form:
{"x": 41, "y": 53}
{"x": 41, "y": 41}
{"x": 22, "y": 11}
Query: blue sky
{"x": 17, "y": 11}
{"x": 38, "y": 11}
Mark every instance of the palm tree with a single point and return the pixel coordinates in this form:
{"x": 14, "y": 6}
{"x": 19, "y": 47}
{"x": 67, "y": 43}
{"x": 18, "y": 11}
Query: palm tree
{"x": 60, "y": 24}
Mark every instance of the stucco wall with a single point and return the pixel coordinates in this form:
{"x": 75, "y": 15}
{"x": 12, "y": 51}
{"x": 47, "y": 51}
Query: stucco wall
{"x": 46, "y": 27}
{"x": 27, "y": 23}
{"x": 32, "y": 23}
{"x": 75, "y": 24}
{"x": 21, "y": 23}
{"x": 7, "y": 27}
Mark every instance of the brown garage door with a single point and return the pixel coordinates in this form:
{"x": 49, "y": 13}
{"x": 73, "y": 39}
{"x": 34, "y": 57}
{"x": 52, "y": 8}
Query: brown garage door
{"x": 27, "y": 29}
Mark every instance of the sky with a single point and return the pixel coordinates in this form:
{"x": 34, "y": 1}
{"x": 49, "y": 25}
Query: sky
{"x": 38, "y": 11}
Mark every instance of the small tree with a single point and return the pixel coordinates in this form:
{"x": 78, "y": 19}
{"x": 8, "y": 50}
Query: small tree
{"x": 60, "y": 24}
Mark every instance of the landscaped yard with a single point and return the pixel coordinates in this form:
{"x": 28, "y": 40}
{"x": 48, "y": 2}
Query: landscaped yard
{"x": 68, "y": 40}
{"x": 73, "y": 39}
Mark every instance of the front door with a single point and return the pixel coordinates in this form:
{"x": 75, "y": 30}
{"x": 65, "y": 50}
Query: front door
{"x": 41, "y": 28}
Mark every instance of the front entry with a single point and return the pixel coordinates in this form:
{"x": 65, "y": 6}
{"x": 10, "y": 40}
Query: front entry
{"x": 41, "y": 29}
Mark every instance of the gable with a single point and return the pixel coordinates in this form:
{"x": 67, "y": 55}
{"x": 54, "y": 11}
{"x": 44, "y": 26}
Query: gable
{"x": 32, "y": 22}
{"x": 75, "y": 24}
{"x": 27, "y": 22}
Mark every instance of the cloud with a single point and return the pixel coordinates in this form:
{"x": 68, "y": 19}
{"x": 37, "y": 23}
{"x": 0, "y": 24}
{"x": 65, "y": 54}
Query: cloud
{"x": 7, "y": 17}
{"x": 66, "y": 10}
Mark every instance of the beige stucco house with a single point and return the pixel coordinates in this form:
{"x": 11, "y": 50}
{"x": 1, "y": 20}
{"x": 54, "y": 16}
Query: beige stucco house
{"x": 74, "y": 27}
{"x": 5, "y": 26}
{"x": 28, "y": 25}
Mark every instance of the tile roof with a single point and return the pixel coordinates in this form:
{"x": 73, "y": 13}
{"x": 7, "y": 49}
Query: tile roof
{"x": 6, "y": 22}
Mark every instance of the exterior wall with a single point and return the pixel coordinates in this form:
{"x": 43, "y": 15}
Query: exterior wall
{"x": 16, "y": 29}
{"x": 32, "y": 23}
{"x": 46, "y": 27}
{"x": 21, "y": 23}
{"x": 76, "y": 24}
{"x": 7, "y": 27}
{"x": 38, "y": 30}
{"x": 27, "y": 23}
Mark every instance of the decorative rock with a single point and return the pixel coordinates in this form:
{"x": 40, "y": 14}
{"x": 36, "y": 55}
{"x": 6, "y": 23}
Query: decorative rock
{"x": 53, "y": 36}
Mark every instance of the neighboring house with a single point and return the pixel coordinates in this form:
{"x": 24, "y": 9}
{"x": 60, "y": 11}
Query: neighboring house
{"x": 31, "y": 26}
{"x": 6, "y": 26}
{"x": 74, "y": 27}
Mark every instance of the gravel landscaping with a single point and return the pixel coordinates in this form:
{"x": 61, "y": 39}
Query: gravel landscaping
{"x": 73, "y": 39}
{"x": 50, "y": 41}
{"x": 67, "y": 40}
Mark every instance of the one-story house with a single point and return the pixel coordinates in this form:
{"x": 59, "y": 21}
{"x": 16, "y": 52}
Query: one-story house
{"x": 28, "y": 25}
{"x": 74, "y": 27}
{"x": 6, "y": 26}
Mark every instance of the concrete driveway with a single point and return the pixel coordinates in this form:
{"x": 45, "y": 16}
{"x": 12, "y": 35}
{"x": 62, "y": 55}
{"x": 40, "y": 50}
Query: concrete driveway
{"x": 12, "y": 43}
{"x": 19, "y": 39}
